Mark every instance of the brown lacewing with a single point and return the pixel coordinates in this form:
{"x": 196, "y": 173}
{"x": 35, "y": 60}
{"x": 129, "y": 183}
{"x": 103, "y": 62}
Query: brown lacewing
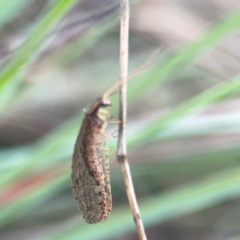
{"x": 90, "y": 165}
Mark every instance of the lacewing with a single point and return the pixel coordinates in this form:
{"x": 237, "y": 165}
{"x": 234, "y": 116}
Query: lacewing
{"x": 90, "y": 166}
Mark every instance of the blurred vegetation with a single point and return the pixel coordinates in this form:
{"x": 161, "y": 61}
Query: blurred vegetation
{"x": 57, "y": 57}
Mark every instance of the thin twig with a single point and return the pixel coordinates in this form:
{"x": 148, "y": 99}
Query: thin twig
{"x": 122, "y": 149}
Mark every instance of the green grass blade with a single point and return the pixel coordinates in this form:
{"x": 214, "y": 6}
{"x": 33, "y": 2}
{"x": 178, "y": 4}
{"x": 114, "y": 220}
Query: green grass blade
{"x": 191, "y": 198}
{"x": 9, "y": 77}
{"x": 222, "y": 90}
{"x": 186, "y": 56}
{"x": 32, "y": 199}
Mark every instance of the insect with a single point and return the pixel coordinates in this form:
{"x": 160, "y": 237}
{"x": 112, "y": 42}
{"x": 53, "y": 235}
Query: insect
{"x": 90, "y": 165}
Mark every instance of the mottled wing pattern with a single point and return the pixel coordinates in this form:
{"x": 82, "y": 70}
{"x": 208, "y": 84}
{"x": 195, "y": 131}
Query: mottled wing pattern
{"x": 90, "y": 173}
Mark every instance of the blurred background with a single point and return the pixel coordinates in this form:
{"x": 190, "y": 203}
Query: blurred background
{"x": 57, "y": 57}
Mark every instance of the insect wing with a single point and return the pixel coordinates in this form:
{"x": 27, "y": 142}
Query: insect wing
{"x": 90, "y": 173}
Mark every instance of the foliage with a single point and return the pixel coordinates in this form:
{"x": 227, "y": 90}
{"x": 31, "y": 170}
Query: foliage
{"x": 33, "y": 177}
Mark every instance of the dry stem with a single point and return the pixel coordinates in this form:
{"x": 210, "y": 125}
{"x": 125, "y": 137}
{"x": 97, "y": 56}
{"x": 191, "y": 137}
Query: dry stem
{"x": 122, "y": 149}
